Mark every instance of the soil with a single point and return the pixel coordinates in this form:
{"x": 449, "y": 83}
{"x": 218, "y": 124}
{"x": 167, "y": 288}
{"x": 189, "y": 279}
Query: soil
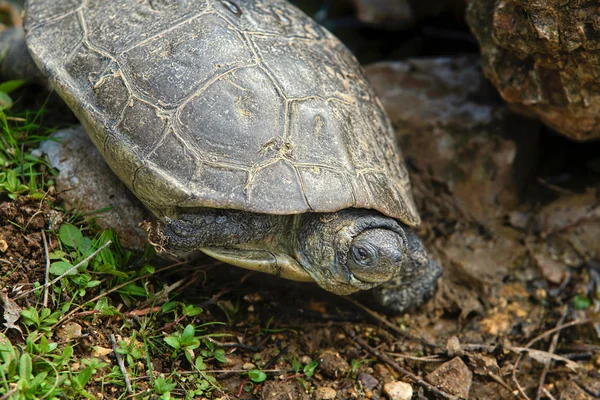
{"x": 514, "y": 315}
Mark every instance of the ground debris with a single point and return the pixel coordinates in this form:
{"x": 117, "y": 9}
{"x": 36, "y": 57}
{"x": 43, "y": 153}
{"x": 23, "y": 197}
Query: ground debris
{"x": 332, "y": 364}
{"x": 453, "y": 377}
{"x": 12, "y": 312}
{"x": 571, "y": 391}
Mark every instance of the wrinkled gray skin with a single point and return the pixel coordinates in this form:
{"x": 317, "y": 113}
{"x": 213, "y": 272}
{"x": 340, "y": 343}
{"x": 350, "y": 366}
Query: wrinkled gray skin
{"x": 343, "y": 251}
{"x": 248, "y": 129}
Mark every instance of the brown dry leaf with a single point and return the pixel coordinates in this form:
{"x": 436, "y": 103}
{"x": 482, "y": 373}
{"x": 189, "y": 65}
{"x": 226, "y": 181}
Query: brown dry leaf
{"x": 544, "y": 357}
{"x": 12, "y": 312}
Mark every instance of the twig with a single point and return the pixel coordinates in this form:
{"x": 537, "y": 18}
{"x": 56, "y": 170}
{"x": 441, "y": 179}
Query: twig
{"x": 391, "y": 326}
{"x": 500, "y": 381}
{"x": 7, "y": 395}
{"x": 121, "y": 364}
{"x": 431, "y": 359}
{"x": 79, "y": 264}
{"x": 47, "y": 273}
{"x": 114, "y": 289}
{"x": 242, "y": 346}
{"x": 551, "y": 350}
{"x": 384, "y": 358}
{"x": 559, "y": 328}
{"x": 548, "y": 394}
{"x": 142, "y": 312}
{"x": 533, "y": 341}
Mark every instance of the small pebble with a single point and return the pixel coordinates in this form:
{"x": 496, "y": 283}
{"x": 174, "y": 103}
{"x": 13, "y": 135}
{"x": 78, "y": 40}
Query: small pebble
{"x": 398, "y": 390}
{"x": 325, "y": 393}
{"x": 452, "y": 377}
{"x": 368, "y": 380}
{"x": 248, "y": 366}
{"x": 454, "y": 348}
{"x": 70, "y": 330}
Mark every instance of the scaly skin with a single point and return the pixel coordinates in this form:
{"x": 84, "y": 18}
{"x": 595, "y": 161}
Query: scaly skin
{"x": 343, "y": 252}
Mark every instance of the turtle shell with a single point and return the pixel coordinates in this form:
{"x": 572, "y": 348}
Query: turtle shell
{"x": 247, "y": 105}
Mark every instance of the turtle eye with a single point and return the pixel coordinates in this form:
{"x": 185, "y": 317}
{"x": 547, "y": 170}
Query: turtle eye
{"x": 361, "y": 255}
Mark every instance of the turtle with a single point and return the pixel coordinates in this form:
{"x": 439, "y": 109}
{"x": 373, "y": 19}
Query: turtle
{"x": 248, "y": 129}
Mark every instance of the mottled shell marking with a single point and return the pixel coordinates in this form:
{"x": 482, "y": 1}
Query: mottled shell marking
{"x": 216, "y": 103}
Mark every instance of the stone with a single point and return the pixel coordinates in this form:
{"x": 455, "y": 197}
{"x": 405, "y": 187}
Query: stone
{"x": 86, "y": 183}
{"x": 398, "y": 390}
{"x": 452, "y": 377}
{"x": 544, "y": 59}
{"x": 69, "y": 331}
{"x": 325, "y": 393}
{"x": 368, "y": 380}
{"x": 451, "y": 125}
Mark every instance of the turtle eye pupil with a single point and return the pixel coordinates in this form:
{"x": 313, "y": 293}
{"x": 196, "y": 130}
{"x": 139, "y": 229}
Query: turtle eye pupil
{"x": 360, "y": 254}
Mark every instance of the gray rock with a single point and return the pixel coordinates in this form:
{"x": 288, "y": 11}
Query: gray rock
{"x": 86, "y": 183}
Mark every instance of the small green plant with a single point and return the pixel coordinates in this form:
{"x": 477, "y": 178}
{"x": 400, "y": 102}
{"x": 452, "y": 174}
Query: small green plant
{"x": 355, "y": 365}
{"x": 22, "y": 172}
{"x": 257, "y": 376}
{"x": 132, "y": 350}
{"x": 581, "y": 302}
{"x": 41, "y": 321}
{"x": 163, "y": 387}
{"x": 41, "y": 370}
{"x": 185, "y": 342}
{"x": 306, "y": 371}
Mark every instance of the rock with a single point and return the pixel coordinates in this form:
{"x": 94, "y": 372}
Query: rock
{"x": 325, "y": 393}
{"x": 248, "y": 366}
{"x": 368, "y": 380}
{"x": 398, "y": 390}
{"x": 449, "y": 121}
{"x": 453, "y": 377}
{"x": 544, "y": 59}
{"x": 454, "y": 348}
{"x": 85, "y": 182}
{"x": 69, "y": 331}
{"x": 332, "y": 365}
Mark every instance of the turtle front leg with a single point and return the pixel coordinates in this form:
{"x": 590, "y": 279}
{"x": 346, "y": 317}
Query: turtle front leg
{"x": 209, "y": 227}
{"x": 414, "y": 285}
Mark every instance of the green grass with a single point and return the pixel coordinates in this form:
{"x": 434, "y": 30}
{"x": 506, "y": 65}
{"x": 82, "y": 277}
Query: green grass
{"x": 21, "y": 171}
{"x": 44, "y": 367}
{"x": 92, "y": 280}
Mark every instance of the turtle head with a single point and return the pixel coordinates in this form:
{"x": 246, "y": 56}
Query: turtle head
{"x": 351, "y": 249}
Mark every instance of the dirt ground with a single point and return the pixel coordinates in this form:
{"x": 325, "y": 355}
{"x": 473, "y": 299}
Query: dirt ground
{"x": 510, "y": 209}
